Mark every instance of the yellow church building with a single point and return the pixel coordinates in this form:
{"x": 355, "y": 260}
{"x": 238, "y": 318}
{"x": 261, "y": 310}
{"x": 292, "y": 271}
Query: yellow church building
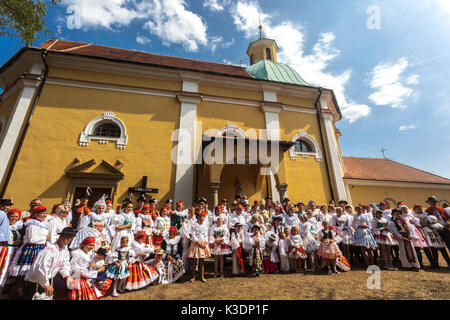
{"x": 76, "y": 115}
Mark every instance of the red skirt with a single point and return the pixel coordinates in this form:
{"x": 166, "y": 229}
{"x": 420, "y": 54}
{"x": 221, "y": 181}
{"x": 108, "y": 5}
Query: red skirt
{"x": 157, "y": 241}
{"x": 141, "y": 275}
{"x": 83, "y": 290}
{"x": 269, "y": 266}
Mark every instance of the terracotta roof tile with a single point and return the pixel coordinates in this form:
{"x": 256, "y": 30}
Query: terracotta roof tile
{"x": 387, "y": 170}
{"x": 145, "y": 57}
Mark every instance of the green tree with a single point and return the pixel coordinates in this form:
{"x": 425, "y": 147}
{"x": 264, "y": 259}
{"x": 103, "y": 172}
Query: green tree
{"x": 24, "y": 19}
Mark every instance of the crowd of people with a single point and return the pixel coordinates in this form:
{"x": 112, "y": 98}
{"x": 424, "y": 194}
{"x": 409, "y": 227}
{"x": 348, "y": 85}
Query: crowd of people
{"x": 82, "y": 253}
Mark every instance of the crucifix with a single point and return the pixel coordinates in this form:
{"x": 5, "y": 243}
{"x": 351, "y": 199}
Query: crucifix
{"x": 382, "y": 151}
{"x": 143, "y": 189}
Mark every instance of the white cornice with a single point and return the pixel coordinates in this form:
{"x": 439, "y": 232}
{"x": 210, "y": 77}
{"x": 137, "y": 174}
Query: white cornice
{"x": 271, "y": 109}
{"x": 396, "y": 184}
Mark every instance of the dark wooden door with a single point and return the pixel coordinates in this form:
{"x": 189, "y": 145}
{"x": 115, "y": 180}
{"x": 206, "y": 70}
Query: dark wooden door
{"x": 96, "y": 194}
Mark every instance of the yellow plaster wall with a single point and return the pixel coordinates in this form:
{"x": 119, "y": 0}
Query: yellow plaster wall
{"x": 411, "y": 196}
{"x": 52, "y": 142}
{"x": 230, "y": 92}
{"x": 114, "y": 78}
{"x": 296, "y": 101}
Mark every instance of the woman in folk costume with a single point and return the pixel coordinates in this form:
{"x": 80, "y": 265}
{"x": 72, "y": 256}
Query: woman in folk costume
{"x": 199, "y": 249}
{"x": 7, "y": 251}
{"x": 404, "y": 234}
{"x": 255, "y": 244}
{"x": 418, "y": 241}
{"x": 59, "y": 222}
{"x": 219, "y": 243}
{"x": 443, "y": 218}
{"x": 161, "y": 227}
{"x": 173, "y": 251}
{"x": 270, "y": 256}
{"x": 144, "y": 221}
{"x": 34, "y": 241}
{"x": 218, "y": 212}
{"x": 328, "y": 250}
{"x": 430, "y": 226}
{"x": 179, "y": 215}
{"x": 296, "y": 251}
{"x": 283, "y": 248}
{"x": 96, "y": 215}
{"x": 141, "y": 274}
{"x": 237, "y": 242}
{"x": 109, "y": 212}
{"x": 345, "y": 231}
{"x": 101, "y": 235}
{"x": 363, "y": 237}
{"x": 123, "y": 225}
{"x": 308, "y": 233}
{"x": 186, "y": 231}
{"x": 80, "y": 270}
{"x": 384, "y": 237}
{"x": 120, "y": 266}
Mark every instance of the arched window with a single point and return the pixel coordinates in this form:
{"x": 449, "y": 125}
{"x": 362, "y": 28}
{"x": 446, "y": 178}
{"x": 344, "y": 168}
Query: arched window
{"x": 108, "y": 129}
{"x": 304, "y": 145}
{"x": 105, "y": 128}
{"x": 268, "y": 54}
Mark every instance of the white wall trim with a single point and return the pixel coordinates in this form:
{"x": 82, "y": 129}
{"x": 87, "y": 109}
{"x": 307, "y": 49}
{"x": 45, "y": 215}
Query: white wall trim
{"x": 233, "y": 130}
{"x": 305, "y": 136}
{"x": 88, "y": 133}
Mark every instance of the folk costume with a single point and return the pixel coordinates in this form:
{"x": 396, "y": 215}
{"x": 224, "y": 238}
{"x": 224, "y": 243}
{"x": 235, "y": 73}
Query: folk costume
{"x": 141, "y": 274}
{"x": 219, "y": 233}
{"x": 270, "y": 257}
{"x": 237, "y": 242}
{"x": 296, "y": 249}
{"x": 344, "y": 231}
{"x": 186, "y": 234}
{"x": 200, "y": 234}
{"x": 328, "y": 248}
{"x": 363, "y": 237}
{"x": 255, "y": 245}
{"x": 173, "y": 248}
{"x": 8, "y": 251}
{"x": 160, "y": 230}
{"x": 382, "y": 233}
{"x": 121, "y": 255}
{"x": 404, "y": 233}
{"x": 123, "y": 219}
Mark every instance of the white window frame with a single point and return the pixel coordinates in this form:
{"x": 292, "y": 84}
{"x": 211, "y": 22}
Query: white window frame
{"x": 232, "y": 128}
{"x": 303, "y": 135}
{"x": 88, "y": 134}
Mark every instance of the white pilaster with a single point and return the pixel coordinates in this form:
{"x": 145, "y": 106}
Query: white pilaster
{"x": 17, "y": 118}
{"x": 336, "y": 174}
{"x": 184, "y": 179}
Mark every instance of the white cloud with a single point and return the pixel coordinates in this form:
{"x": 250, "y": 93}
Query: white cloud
{"x": 214, "y": 5}
{"x": 445, "y": 5}
{"x": 389, "y": 84}
{"x": 312, "y": 67}
{"x": 218, "y": 41}
{"x": 406, "y": 128}
{"x": 142, "y": 39}
{"x": 168, "y": 19}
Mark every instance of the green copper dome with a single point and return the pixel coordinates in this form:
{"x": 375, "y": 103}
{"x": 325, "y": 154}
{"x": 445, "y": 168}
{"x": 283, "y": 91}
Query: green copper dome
{"x": 278, "y": 72}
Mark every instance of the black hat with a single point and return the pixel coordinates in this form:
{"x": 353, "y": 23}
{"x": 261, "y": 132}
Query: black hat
{"x": 237, "y": 197}
{"x": 343, "y": 201}
{"x": 286, "y": 199}
{"x": 68, "y": 232}
{"x": 142, "y": 198}
{"x": 6, "y": 202}
{"x": 269, "y": 197}
{"x": 256, "y": 226}
{"x": 85, "y": 195}
{"x": 300, "y": 202}
{"x": 169, "y": 201}
{"x": 102, "y": 251}
{"x": 154, "y": 201}
{"x": 432, "y": 199}
{"x": 202, "y": 200}
{"x": 238, "y": 224}
{"x": 126, "y": 201}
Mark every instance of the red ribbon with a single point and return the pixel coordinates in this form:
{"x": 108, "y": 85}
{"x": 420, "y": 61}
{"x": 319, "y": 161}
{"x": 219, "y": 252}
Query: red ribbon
{"x": 239, "y": 258}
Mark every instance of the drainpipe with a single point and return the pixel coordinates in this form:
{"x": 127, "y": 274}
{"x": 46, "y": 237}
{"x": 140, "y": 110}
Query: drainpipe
{"x": 323, "y": 144}
{"x": 22, "y": 137}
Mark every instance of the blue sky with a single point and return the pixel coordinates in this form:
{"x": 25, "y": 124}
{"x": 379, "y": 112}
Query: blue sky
{"x": 391, "y": 81}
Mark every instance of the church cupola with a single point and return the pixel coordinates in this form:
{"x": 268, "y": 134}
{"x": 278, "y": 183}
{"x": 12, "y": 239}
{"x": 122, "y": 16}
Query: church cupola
{"x": 262, "y": 49}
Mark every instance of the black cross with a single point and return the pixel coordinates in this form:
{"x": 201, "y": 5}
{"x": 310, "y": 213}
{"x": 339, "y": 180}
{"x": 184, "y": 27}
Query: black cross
{"x": 144, "y": 188}
{"x": 382, "y": 151}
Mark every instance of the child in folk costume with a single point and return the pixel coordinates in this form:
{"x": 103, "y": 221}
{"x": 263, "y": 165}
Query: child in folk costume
{"x": 119, "y": 269}
{"x": 283, "y": 248}
{"x": 296, "y": 251}
{"x": 310, "y": 243}
{"x": 158, "y": 264}
{"x": 328, "y": 250}
{"x": 341, "y": 222}
{"x": 179, "y": 215}
{"x": 123, "y": 225}
{"x": 254, "y": 244}
{"x": 81, "y": 272}
{"x": 384, "y": 237}
{"x": 15, "y": 240}
{"x": 404, "y": 233}
{"x": 141, "y": 274}
{"x": 199, "y": 249}
{"x": 101, "y": 282}
{"x": 431, "y": 227}
{"x": 161, "y": 227}
{"x": 34, "y": 241}
{"x": 237, "y": 241}
{"x": 418, "y": 241}
{"x": 219, "y": 243}
{"x": 173, "y": 251}
{"x": 363, "y": 237}
{"x": 186, "y": 231}
{"x": 271, "y": 258}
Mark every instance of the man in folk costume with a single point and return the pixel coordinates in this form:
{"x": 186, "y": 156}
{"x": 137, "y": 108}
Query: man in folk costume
{"x": 80, "y": 210}
{"x": 53, "y": 259}
{"x": 179, "y": 215}
{"x": 404, "y": 233}
{"x": 442, "y": 218}
{"x": 5, "y": 206}
{"x": 141, "y": 202}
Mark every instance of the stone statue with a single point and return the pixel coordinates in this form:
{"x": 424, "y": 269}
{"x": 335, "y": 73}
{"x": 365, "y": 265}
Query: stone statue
{"x": 238, "y": 191}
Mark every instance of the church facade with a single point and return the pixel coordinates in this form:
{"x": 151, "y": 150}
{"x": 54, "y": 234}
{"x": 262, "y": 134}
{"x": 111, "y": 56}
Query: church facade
{"x": 75, "y": 115}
